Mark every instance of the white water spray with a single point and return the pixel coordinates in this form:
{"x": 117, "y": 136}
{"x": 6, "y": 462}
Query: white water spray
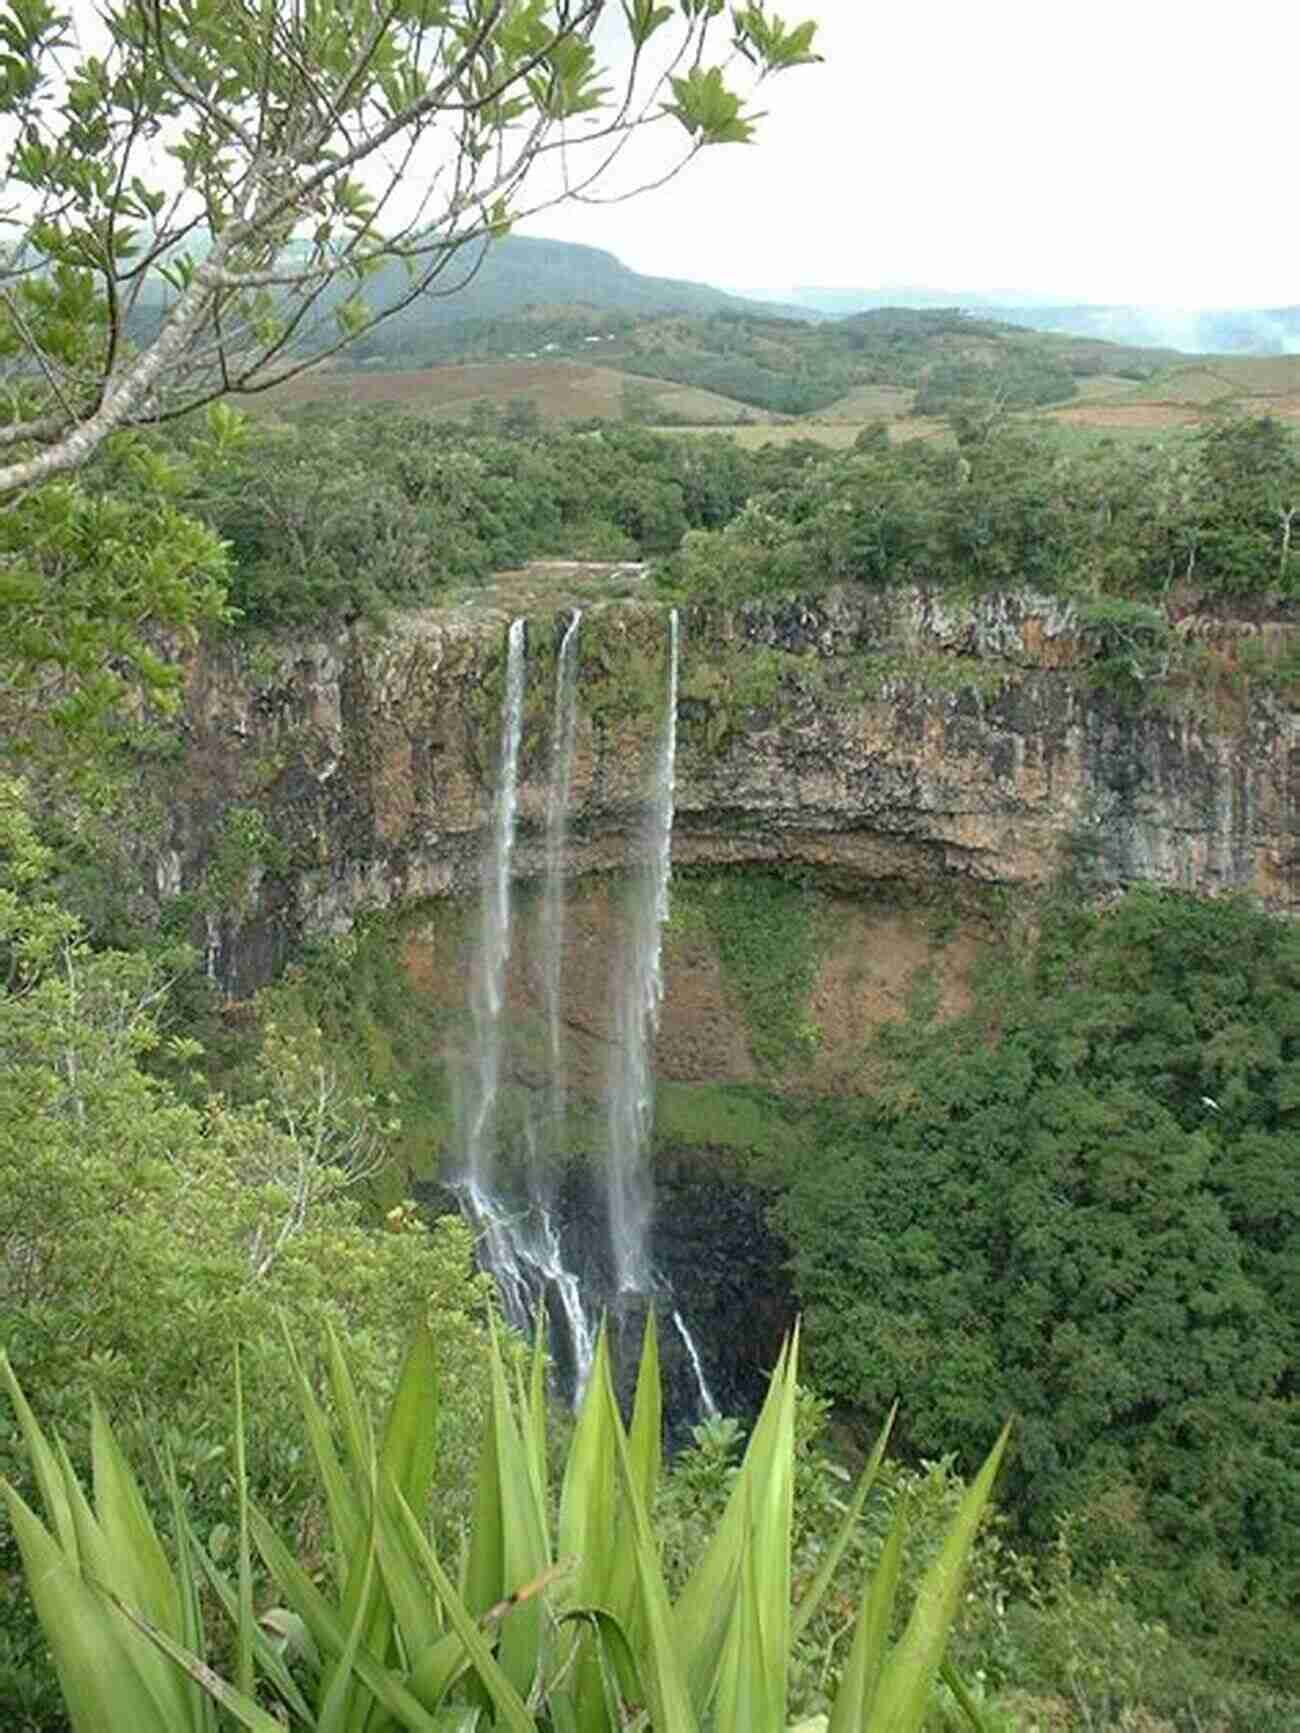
{"x": 487, "y": 982}
{"x": 638, "y": 994}
{"x": 518, "y": 1226}
{"x": 702, "y": 1390}
{"x": 563, "y": 733}
{"x": 520, "y": 1247}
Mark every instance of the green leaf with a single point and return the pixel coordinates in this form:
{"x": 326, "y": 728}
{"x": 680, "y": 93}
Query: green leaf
{"x": 856, "y": 1695}
{"x": 645, "y": 1437}
{"x": 703, "y": 1609}
{"x": 509, "y": 1704}
{"x": 248, "y": 1713}
{"x": 587, "y": 1502}
{"x": 667, "y": 1693}
{"x": 908, "y": 1677}
{"x": 144, "y": 1575}
{"x": 832, "y": 1555}
{"x": 346, "y": 1517}
{"x": 244, "y": 1625}
{"x": 45, "y": 1466}
{"x": 94, "y": 1654}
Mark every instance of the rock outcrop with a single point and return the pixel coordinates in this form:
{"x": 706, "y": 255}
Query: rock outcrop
{"x": 874, "y": 737}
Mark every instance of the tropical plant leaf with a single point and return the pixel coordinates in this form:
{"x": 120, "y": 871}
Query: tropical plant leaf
{"x": 668, "y": 1696}
{"x": 143, "y": 1572}
{"x": 703, "y": 1610}
{"x": 45, "y": 1465}
{"x": 816, "y": 1590}
{"x": 509, "y": 1704}
{"x": 908, "y": 1676}
{"x": 248, "y": 1713}
{"x": 95, "y": 1655}
{"x": 853, "y": 1700}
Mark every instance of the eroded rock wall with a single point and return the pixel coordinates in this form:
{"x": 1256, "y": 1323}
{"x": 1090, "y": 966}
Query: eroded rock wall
{"x": 876, "y": 738}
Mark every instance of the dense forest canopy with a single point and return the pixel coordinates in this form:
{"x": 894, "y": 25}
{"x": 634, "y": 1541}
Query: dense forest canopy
{"x": 1081, "y": 1201}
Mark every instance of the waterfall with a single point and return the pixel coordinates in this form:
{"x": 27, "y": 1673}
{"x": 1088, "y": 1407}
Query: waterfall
{"x": 563, "y": 731}
{"x": 705, "y": 1395}
{"x": 521, "y": 1236}
{"x": 637, "y": 994}
{"x": 488, "y": 973}
{"x": 520, "y": 1246}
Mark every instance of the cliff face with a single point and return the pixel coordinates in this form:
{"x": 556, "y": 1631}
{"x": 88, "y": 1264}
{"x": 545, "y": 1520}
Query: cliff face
{"x": 894, "y": 738}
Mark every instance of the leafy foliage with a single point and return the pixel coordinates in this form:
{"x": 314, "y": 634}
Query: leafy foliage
{"x": 91, "y": 578}
{"x": 1012, "y": 505}
{"x": 573, "y": 1629}
{"x": 1079, "y": 1202}
{"x": 344, "y": 514}
{"x": 146, "y": 1227}
{"x": 137, "y": 289}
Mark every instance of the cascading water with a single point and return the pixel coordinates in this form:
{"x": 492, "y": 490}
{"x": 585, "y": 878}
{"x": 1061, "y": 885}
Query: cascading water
{"x": 518, "y": 1224}
{"x": 564, "y": 1283}
{"x": 492, "y": 953}
{"x": 707, "y": 1403}
{"x": 563, "y": 734}
{"x": 520, "y": 1246}
{"x": 638, "y": 993}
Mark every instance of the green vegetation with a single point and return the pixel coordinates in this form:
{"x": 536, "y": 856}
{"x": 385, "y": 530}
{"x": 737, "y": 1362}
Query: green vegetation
{"x": 1080, "y": 1202}
{"x": 765, "y": 929}
{"x": 147, "y": 1224}
{"x": 788, "y": 366}
{"x": 563, "y": 1618}
{"x": 133, "y": 294}
{"x": 1212, "y": 516}
{"x": 338, "y": 514}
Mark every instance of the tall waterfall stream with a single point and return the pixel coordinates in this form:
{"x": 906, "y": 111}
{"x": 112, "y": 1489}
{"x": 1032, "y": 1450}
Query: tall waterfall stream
{"x": 522, "y": 1235}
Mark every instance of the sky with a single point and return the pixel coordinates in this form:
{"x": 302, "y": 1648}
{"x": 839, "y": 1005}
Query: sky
{"x": 1123, "y": 151}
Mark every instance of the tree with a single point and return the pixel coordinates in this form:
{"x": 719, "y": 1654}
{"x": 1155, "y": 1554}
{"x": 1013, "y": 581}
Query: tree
{"x": 1075, "y": 1203}
{"x": 225, "y": 191}
{"x": 141, "y": 1235}
{"x": 1252, "y": 472}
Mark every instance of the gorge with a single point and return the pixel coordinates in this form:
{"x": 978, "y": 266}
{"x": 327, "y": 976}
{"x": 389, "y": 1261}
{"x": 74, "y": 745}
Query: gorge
{"x": 873, "y": 786}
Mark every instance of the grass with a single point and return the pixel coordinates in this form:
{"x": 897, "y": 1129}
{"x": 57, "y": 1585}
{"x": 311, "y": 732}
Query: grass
{"x": 561, "y": 390}
{"x": 866, "y": 402}
{"x": 565, "y": 390}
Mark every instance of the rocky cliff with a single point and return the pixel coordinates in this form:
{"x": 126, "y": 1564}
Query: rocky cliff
{"x": 877, "y": 739}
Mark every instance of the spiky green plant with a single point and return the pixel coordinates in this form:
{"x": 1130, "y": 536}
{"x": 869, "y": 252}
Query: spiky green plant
{"x": 570, "y": 1631}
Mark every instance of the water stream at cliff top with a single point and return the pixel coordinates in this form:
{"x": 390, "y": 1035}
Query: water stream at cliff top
{"x": 488, "y": 972}
{"x": 521, "y": 1235}
{"x": 638, "y": 993}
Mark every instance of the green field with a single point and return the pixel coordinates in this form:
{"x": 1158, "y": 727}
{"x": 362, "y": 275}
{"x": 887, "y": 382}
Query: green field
{"x": 562, "y": 390}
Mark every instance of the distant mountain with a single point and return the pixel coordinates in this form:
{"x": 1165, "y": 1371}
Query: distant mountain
{"x": 522, "y": 272}
{"x": 1218, "y": 331}
{"x": 843, "y": 303}
{"x": 517, "y": 273}
{"x": 1225, "y": 331}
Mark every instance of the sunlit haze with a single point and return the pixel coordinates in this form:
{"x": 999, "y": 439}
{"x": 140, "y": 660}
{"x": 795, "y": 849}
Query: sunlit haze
{"x": 1118, "y": 152}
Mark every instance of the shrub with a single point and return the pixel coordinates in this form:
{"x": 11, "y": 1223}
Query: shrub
{"x": 553, "y": 1627}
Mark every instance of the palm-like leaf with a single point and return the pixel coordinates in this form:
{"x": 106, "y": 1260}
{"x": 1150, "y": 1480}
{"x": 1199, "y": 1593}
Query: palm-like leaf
{"x": 582, "y": 1635}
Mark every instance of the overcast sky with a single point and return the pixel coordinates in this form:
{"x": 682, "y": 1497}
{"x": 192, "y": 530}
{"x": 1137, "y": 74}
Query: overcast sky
{"x": 1124, "y": 150}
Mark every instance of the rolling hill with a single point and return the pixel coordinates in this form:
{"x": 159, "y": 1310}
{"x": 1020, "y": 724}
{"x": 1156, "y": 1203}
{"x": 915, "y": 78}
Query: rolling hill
{"x": 729, "y": 365}
{"x": 1204, "y": 331}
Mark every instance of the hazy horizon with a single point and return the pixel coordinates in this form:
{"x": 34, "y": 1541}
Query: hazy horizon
{"x": 1129, "y": 158}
